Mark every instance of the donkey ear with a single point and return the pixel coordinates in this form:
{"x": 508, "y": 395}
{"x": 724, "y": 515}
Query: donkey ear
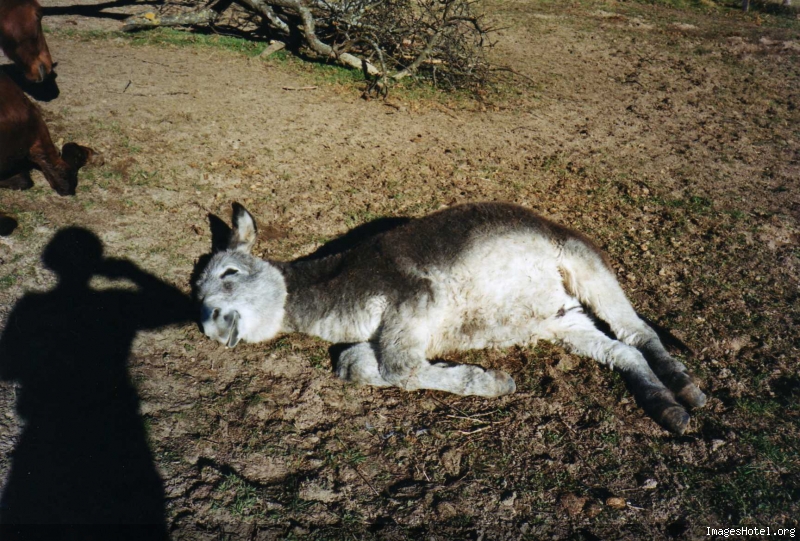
{"x": 244, "y": 233}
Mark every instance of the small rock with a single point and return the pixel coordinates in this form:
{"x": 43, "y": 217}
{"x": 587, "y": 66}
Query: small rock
{"x": 649, "y": 484}
{"x": 311, "y": 491}
{"x": 716, "y": 444}
{"x": 616, "y": 503}
{"x": 273, "y": 47}
{"x": 571, "y": 504}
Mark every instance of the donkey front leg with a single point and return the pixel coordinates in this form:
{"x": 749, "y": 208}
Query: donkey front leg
{"x": 579, "y": 334}
{"x": 401, "y": 359}
{"x": 359, "y": 364}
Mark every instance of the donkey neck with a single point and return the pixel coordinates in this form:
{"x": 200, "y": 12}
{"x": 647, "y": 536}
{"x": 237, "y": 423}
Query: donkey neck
{"x": 308, "y": 287}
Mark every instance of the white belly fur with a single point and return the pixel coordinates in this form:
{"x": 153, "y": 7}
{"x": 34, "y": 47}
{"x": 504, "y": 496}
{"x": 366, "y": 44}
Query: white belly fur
{"x": 502, "y": 292}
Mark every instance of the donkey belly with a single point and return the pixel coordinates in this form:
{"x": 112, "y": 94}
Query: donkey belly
{"x": 503, "y": 292}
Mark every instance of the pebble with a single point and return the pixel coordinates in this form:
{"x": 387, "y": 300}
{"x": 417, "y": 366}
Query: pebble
{"x": 616, "y": 503}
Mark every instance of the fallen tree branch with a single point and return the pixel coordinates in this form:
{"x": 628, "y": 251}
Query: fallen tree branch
{"x": 389, "y": 40}
{"x": 151, "y": 19}
{"x": 267, "y": 12}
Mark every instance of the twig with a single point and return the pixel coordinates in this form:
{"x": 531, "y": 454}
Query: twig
{"x": 471, "y": 432}
{"x": 515, "y": 72}
{"x": 364, "y": 479}
{"x": 355, "y": 468}
{"x": 451, "y": 407}
{"x": 299, "y": 87}
{"x": 469, "y": 419}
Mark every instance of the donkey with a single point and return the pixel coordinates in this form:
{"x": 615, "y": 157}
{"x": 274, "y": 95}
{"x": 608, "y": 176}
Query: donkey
{"x": 22, "y": 38}
{"x": 467, "y": 277}
{"x": 25, "y": 142}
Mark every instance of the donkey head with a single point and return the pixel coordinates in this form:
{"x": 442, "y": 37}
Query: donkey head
{"x": 242, "y": 296}
{"x": 22, "y": 38}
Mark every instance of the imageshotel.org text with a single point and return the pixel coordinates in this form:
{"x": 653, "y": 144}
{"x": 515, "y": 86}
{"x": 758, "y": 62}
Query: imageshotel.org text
{"x": 743, "y": 531}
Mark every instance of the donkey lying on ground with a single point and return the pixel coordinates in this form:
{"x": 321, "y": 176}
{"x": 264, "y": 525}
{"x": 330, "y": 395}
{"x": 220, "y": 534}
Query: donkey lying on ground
{"x": 468, "y": 277}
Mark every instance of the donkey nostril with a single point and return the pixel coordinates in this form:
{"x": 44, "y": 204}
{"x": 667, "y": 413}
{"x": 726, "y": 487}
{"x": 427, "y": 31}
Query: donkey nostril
{"x": 215, "y": 313}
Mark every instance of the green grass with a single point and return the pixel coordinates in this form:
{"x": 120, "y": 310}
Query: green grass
{"x": 8, "y": 280}
{"x": 246, "y": 501}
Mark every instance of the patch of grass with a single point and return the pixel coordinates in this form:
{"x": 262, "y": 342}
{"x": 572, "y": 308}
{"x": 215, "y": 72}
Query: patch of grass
{"x": 759, "y": 407}
{"x": 246, "y": 501}
{"x": 318, "y": 357}
{"x": 141, "y": 177}
{"x": 702, "y": 5}
{"x": 8, "y": 280}
{"x": 358, "y": 217}
{"x": 181, "y": 38}
{"x": 349, "y": 456}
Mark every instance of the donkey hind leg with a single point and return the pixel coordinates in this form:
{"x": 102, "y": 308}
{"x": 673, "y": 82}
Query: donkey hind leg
{"x": 20, "y": 181}
{"x": 577, "y": 332}
{"x": 358, "y": 364}
{"x": 402, "y": 362}
{"x": 590, "y": 280}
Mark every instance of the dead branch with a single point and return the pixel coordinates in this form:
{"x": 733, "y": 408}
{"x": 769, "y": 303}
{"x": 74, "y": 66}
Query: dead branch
{"x": 267, "y": 12}
{"x": 151, "y": 19}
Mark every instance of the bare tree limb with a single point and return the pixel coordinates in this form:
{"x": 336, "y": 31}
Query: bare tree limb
{"x": 150, "y": 19}
{"x": 267, "y": 12}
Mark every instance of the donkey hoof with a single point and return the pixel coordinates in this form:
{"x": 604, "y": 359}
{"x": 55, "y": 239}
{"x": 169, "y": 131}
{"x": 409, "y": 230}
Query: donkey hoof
{"x": 675, "y": 419}
{"x": 505, "y": 383}
{"x": 692, "y": 396}
{"x": 682, "y": 385}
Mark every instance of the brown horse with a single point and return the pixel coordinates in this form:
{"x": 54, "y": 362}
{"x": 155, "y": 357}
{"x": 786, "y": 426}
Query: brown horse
{"x": 22, "y": 39}
{"x": 25, "y": 142}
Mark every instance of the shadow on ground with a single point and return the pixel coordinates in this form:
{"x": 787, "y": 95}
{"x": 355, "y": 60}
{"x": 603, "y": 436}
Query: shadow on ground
{"x": 83, "y": 455}
{"x": 96, "y": 10}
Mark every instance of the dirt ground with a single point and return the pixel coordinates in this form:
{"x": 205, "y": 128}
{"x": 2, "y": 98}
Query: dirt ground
{"x": 670, "y": 135}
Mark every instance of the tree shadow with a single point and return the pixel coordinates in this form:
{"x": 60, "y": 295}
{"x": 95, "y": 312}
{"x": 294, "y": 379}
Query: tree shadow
{"x": 763, "y": 6}
{"x": 83, "y": 456}
{"x": 96, "y": 10}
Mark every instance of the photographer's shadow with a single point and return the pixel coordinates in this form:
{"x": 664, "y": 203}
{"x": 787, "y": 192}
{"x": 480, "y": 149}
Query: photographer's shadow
{"x": 83, "y": 456}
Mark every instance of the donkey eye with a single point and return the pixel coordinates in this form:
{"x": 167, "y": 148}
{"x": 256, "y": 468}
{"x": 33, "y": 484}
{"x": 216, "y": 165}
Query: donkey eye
{"x": 229, "y": 272}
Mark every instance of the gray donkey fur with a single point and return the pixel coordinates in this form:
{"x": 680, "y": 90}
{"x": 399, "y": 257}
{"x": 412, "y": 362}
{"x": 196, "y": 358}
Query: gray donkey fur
{"x": 471, "y": 276}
